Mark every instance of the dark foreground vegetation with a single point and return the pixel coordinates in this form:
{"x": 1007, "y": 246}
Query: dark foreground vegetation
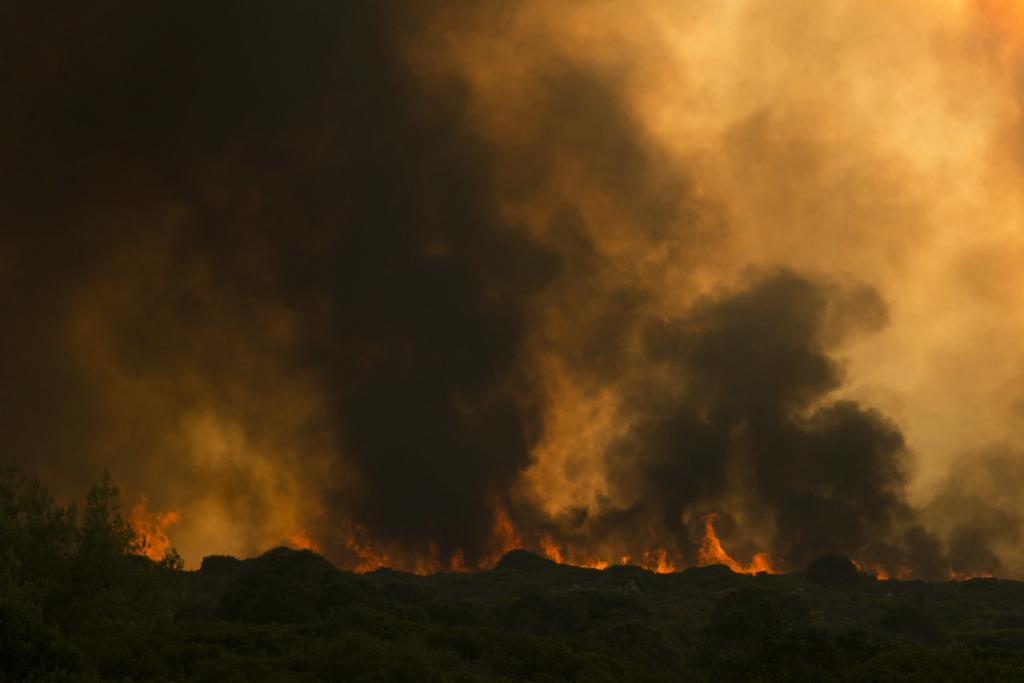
{"x": 77, "y": 605}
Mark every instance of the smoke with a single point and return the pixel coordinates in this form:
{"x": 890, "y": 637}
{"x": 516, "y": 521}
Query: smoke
{"x": 418, "y": 282}
{"x": 981, "y": 518}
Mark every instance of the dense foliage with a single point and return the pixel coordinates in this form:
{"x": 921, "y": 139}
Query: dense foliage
{"x": 77, "y": 604}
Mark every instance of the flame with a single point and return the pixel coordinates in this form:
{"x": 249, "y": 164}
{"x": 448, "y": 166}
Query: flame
{"x": 551, "y": 549}
{"x": 906, "y": 573}
{"x": 903, "y": 572}
{"x": 370, "y": 557}
{"x": 657, "y": 561}
{"x": 594, "y": 564}
{"x": 430, "y": 563}
{"x": 712, "y": 552}
{"x": 955, "y": 575}
{"x": 458, "y": 562}
{"x": 504, "y": 535}
{"x": 301, "y": 540}
{"x": 150, "y": 529}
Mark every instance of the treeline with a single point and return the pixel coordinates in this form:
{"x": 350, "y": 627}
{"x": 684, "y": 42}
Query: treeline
{"x": 68, "y": 577}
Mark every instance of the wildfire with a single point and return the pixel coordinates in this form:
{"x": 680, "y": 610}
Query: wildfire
{"x": 458, "y": 562}
{"x": 506, "y": 536}
{"x": 907, "y": 573}
{"x": 150, "y": 529}
{"x": 712, "y": 552}
{"x": 902, "y": 573}
{"x": 594, "y": 564}
{"x": 370, "y": 557}
{"x": 657, "y": 561}
{"x": 955, "y": 575}
{"x": 551, "y": 549}
{"x": 301, "y": 540}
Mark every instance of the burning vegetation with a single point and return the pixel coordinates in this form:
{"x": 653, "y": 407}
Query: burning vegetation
{"x": 150, "y": 530}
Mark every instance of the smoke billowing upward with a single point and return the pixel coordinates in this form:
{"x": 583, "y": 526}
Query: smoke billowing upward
{"x": 417, "y": 284}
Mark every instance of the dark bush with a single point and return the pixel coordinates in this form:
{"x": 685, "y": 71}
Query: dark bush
{"x": 709, "y": 573}
{"x": 833, "y": 570}
{"x": 281, "y": 586}
{"x": 752, "y": 634}
{"x": 219, "y": 564}
{"x": 1009, "y": 621}
{"x": 911, "y": 621}
{"x": 524, "y": 560}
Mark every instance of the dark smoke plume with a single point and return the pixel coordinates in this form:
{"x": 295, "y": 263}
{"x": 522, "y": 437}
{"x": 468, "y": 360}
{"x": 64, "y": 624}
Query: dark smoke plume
{"x": 740, "y": 405}
{"x": 268, "y": 263}
{"x": 247, "y": 185}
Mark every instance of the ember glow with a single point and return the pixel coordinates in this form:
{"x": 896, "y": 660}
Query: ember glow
{"x": 414, "y": 284}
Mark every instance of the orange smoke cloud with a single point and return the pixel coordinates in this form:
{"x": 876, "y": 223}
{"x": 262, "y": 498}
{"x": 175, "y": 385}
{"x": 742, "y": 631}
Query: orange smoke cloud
{"x": 1005, "y": 18}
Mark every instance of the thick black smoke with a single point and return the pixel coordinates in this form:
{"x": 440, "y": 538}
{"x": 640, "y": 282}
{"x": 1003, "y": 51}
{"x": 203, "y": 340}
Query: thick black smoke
{"x": 268, "y": 213}
{"x": 307, "y": 178}
{"x": 742, "y": 417}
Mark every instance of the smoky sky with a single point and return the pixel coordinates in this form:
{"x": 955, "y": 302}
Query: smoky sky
{"x": 269, "y": 265}
{"x": 756, "y": 370}
{"x": 316, "y": 177}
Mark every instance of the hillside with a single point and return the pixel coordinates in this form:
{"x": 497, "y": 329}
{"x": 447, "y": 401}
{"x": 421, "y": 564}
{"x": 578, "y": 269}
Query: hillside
{"x": 77, "y": 603}
{"x": 289, "y": 615}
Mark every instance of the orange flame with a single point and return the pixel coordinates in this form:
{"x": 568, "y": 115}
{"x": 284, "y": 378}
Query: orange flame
{"x": 458, "y": 562}
{"x": 551, "y": 549}
{"x": 657, "y": 561}
{"x": 712, "y": 552}
{"x": 370, "y": 557}
{"x": 955, "y": 575}
{"x": 903, "y": 572}
{"x": 594, "y": 563}
{"x": 302, "y": 540}
{"x": 150, "y": 529}
{"x": 506, "y": 536}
